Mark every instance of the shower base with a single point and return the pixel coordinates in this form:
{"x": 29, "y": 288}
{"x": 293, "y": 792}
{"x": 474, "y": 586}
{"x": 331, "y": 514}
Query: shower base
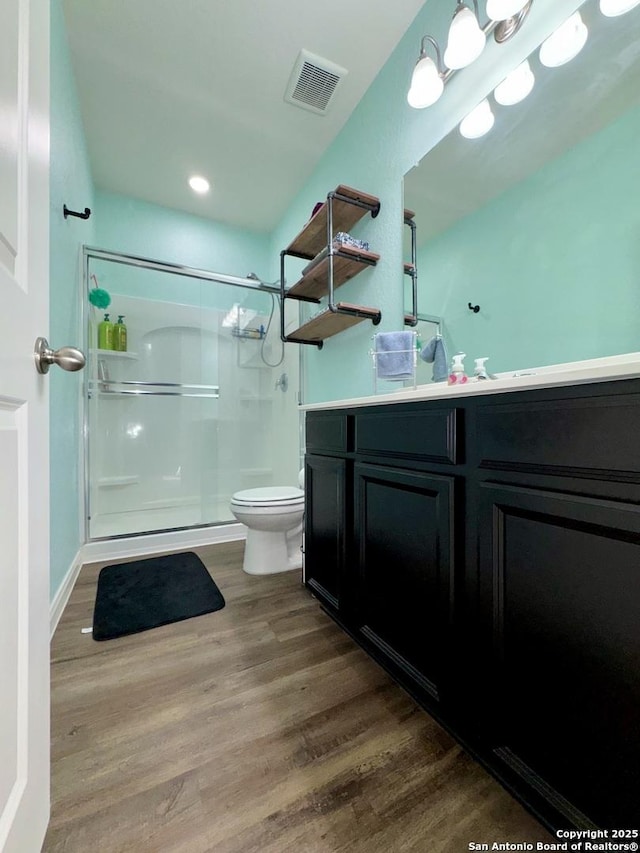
{"x": 104, "y": 526}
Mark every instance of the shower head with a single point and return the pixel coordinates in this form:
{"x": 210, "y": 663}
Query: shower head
{"x": 266, "y": 285}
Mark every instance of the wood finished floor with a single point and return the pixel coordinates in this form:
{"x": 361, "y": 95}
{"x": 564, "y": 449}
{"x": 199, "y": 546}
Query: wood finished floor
{"x": 261, "y": 727}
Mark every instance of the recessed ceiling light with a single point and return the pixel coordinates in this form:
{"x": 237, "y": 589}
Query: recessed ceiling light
{"x": 199, "y": 184}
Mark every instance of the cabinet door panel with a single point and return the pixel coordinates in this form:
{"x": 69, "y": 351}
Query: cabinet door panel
{"x": 405, "y": 582}
{"x": 327, "y": 432}
{"x": 431, "y": 436}
{"x": 325, "y": 526}
{"x": 563, "y": 574}
{"x": 593, "y": 436}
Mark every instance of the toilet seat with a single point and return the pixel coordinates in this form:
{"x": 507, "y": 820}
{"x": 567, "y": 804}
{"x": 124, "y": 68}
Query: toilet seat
{"x": 269, "y": 496}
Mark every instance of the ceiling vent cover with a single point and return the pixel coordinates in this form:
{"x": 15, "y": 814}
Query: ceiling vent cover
{"x": 313, "y": 82}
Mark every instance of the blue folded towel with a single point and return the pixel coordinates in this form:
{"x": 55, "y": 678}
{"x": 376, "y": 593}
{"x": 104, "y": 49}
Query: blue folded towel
{"x": 396, "y": 353}
{"x": 434, "y": 352}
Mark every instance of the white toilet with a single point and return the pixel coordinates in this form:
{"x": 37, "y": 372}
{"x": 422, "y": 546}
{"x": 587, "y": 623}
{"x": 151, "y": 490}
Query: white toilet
{"x": 274, "y": 518}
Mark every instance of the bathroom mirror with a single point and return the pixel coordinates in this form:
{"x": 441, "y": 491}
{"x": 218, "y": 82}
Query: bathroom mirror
{"x": 538, "y": 221}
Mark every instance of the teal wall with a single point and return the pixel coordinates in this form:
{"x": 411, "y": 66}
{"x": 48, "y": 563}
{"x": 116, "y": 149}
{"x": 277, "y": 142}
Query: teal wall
{"x": 71, "y": 184}
{"x": 564, "y": 284}
{"x": 137, "y": 227}
{"x": 381, "y": 141}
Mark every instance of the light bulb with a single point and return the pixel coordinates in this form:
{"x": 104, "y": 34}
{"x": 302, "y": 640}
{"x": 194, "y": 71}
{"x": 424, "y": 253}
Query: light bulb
{"x": 479, "y": 121}
{"x": 426, "y": 84}
{"x": 613, "y": 8}
{"x": 466, "y": 40}
{"x": 566, "y": 43}
{"x": 501, "y": 10}
{"x": 516, "y": 86}
{"x": 199, "y": 184}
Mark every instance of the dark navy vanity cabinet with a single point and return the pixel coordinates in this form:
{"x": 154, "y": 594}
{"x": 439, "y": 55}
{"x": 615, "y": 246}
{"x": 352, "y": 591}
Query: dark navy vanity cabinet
{"x": 486, "y": 552}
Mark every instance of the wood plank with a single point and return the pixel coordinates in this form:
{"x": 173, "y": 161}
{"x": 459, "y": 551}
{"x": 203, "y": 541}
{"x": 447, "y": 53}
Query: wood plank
{"x": 351, "y": 261}
{"x": 261, "y": 727}
{"x": 327, "y": 324}
{"x": 313, "y": 236}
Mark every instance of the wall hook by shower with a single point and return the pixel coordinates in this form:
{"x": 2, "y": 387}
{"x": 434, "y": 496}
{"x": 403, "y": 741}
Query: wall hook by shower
{"x": 474, "y": 308}
{"x": 67, "y": 212}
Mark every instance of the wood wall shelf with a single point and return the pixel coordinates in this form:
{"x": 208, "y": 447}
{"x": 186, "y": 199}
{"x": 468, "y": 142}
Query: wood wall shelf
{"x": 409, "y": 269}
{"x": 332, "y": 267}
{"x": 409, "y": 215}
{"x": 347, "y": 263}
{"x": 330, "y": 323}
{"x": 313, "y": 236}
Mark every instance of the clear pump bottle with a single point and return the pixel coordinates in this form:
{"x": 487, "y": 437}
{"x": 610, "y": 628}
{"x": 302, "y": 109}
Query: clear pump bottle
{"x": 457, "y": 375}
{"x": 480, "y": 371}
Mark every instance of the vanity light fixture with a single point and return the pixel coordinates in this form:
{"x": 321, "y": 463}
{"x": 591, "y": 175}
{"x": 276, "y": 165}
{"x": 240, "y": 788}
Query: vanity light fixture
{"x": 613, "y": 8}
{"x": 465, "y": 43}
{"x": 479, "y": 121}
{"x": 500, "y": 10}
{"x": 199, "y": 184}
{"x": 565, "y": 43}
{"x": 466, "y": 39}
{"x": 427, "y": 83}
{"x": 516, "y": 86}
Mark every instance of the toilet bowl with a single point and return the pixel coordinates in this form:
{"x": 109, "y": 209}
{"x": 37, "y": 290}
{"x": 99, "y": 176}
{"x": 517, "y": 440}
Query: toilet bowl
{"x": 273, "y": 516}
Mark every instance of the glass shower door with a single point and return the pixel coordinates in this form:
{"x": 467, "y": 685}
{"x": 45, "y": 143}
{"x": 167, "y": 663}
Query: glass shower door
{"x": 191, "y": 412}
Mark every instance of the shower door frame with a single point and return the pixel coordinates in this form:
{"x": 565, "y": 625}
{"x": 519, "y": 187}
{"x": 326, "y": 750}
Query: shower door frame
{"x": 92, "y": 252}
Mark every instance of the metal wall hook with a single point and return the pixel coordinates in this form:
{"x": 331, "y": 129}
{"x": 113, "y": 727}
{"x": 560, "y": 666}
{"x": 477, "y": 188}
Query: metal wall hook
{"x": 474, "y": 308}
{"x": 66, "y": 212}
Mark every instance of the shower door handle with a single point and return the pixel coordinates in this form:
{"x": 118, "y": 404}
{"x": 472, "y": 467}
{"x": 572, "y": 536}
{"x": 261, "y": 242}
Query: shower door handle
{"x": 68, "y": 358}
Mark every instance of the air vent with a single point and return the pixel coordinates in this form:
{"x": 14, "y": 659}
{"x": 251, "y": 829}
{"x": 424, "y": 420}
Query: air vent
{"x": 313, "y": 82}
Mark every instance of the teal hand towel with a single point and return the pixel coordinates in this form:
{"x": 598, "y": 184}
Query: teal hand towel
{"x": 395, "y": 355}
{"x": 434, "y": 352}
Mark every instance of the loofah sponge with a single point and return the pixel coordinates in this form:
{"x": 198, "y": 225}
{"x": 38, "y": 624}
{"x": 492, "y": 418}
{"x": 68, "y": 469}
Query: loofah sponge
{"x": 99, "y": 297}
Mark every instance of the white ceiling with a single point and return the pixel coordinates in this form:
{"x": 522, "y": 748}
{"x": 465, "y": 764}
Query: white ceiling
{"x": 567, "y": 104}
{"x": 169, "y": 89}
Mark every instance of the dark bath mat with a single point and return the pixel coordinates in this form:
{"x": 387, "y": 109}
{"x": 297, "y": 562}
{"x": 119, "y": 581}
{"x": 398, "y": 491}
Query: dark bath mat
{"x": 144, "y": 594}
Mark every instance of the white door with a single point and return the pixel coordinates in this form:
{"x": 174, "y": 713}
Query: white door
{"x": 24, "y": 425}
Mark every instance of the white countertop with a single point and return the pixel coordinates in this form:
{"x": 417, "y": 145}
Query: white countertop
{"x": 607, "y": 369}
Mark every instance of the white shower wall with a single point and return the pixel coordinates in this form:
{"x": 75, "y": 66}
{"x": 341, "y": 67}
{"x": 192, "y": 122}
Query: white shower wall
{"x": 165, "y": 462}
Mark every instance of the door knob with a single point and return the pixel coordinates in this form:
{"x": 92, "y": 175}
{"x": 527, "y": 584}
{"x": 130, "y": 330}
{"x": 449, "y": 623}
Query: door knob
{"x": 68, "y": 358}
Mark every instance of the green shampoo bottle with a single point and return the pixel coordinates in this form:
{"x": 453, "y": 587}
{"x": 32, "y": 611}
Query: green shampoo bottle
{"x": 105, "y": 333}
{"x": 120, "y": 335}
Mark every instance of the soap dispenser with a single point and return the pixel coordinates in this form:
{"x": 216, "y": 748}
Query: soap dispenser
{"x": 120, "y": 335}
{"x": 457, "y": 375}
{"x": 480, "y": 371}
{"x": 105, "y": 333}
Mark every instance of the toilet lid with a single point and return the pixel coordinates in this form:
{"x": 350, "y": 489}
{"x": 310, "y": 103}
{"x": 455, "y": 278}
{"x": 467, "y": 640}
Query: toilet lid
{"x": 268, "y": 495}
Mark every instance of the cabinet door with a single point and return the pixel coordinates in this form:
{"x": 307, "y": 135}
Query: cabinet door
{"x": 561, "y": 581}
{"x": 325, "y": 527}
{"x": 404, "y": 535}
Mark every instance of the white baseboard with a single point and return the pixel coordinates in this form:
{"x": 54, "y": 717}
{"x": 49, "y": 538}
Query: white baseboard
{"x": 176, "y": 540}
{"x": 60, "y": 599}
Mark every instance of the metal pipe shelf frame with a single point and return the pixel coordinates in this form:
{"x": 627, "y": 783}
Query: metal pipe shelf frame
{"x": 332, "y": 252}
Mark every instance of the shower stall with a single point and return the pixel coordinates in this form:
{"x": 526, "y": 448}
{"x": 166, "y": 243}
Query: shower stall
{"x": 202, "y": 403}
